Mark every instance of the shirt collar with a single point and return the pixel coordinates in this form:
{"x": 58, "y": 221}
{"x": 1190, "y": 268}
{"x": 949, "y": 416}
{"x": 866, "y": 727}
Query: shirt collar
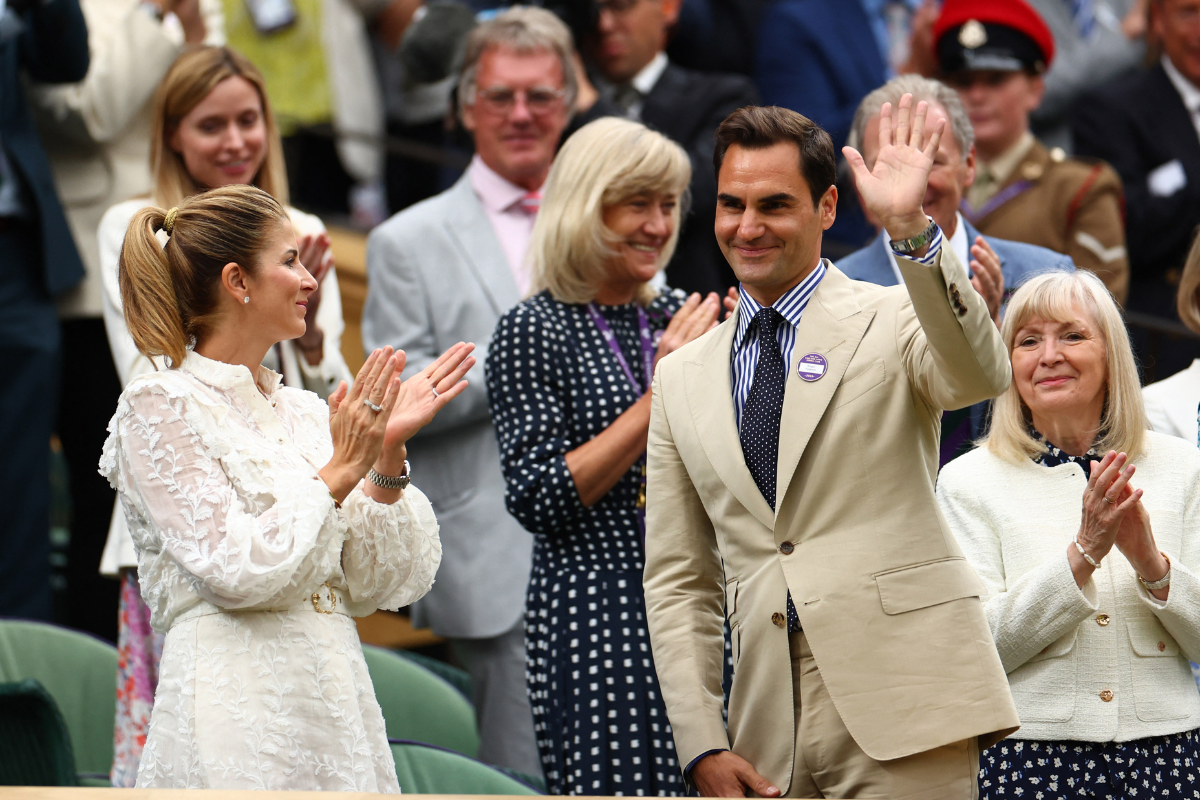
{"x": 644, "y": 81}
{"x": 1188, "y": 92}
{"x": 1002, "y": 166}
{"x": 230, "y": 376}
{"x": 790, "y": 306}
{"x": 496, "y": 193}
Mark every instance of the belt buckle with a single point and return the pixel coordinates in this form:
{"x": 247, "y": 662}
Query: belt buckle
{"x": 317, "y": 598}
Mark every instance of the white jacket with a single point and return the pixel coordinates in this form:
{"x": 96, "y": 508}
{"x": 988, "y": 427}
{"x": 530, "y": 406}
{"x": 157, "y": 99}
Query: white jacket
{"x": 1172, "y": 404}
{"x": 97, "y": 131}
{"x": 321, "y": 379}
{"x": 1065, "y": 648}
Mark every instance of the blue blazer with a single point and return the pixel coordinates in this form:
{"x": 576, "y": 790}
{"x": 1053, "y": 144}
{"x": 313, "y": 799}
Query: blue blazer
{"x": 51, "y": 46}
{"x": 1018, "y": 261}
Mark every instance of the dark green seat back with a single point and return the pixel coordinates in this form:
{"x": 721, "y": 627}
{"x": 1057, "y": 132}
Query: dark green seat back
{"x": 79, "y": 671}
{"x": 35, "y": 748}
{"x": 419, "y": 706}
{"x": 422, "y": 769}
{"x": 458, "y": 678}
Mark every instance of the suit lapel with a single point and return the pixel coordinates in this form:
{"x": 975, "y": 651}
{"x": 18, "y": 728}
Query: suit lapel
{"x": 1171, "y": 118}
{"x": 833, "y": 325}
{"x": 710, "y": 398}
{"x": 472, "y": 233}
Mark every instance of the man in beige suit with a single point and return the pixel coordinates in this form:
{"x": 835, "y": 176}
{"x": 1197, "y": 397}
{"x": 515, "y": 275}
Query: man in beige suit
{"x": 792, "y": 458}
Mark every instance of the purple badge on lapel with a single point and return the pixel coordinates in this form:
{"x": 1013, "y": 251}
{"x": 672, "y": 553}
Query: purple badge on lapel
{"x": 812, "y": 367}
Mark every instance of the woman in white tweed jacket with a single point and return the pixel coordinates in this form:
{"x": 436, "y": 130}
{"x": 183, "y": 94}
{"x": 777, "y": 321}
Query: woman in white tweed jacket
{"x": 1088, "y": 559}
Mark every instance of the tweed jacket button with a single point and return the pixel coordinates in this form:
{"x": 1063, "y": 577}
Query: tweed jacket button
{"x": 779, "y": 619}
{"x": 1106, "y": 696}
{"x": 1162, "y": 646}
{"x": 787, "y": 548}
{"x": 954, "y": 288}
{"x": 1102, "y": 620}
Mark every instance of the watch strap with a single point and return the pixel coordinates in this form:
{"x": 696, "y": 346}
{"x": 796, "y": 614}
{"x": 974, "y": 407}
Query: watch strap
{"x": 907, "y": 246}
{"x": 400, "y": 481}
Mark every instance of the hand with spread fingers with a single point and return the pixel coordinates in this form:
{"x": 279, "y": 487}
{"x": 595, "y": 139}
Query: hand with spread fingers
{"x": 421, "y": 397}
{"x": 358, "y": 418}
{"x": 894, "y": 189}
{"x": 1107, "y": 500}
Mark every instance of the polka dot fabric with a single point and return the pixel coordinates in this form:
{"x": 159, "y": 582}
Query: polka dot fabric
{"x": 553, "y": 384}
{"x": 1155, "y": 767}
{"x": 764, "y": 406}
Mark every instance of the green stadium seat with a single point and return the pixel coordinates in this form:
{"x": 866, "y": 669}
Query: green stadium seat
{"x": 35, "y": 748}
{"x": 419, "y": 706}
{"x": 423, "y": 769}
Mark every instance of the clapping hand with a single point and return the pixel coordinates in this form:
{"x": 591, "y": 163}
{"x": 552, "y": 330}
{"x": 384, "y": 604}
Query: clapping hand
{"x": 987, "y": 277}
{"x": 358, "y": 418}
{"x": 894, "y": 189}
{"x": 694, "y": 318}
{"x": 420, "y": 398}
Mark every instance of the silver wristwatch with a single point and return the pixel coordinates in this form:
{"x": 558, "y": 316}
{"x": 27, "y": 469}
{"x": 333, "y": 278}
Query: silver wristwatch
{"x": 400, "y": 481}
{"x": 906, "y": 246}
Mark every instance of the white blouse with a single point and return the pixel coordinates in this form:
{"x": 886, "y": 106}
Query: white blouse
{"x": 242, "y": 554}
{"x": 322, "y": 379}
{"x": 1105, "y": 663}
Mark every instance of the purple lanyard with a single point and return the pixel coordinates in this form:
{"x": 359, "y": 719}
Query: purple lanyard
{"x": 611, "y": 340}
{"x": 648, "y": 348}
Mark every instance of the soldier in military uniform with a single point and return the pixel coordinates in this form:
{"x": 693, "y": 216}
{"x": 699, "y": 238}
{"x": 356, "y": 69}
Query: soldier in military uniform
{"x": 994, "y": 52}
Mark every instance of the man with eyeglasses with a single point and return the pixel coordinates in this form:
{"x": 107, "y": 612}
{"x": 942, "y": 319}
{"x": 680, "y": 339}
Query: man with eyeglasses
{"x": 636, "y": 80}
{"x": 441, "y": 272}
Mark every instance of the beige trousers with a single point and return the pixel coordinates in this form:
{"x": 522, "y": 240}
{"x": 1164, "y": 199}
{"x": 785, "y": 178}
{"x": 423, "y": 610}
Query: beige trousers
{"x": 830, "y": 764}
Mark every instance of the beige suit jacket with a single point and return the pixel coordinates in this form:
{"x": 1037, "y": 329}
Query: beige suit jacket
{"x": 889, "y": 605}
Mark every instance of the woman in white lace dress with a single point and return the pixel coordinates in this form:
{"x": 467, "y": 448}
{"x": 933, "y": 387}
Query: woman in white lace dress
{"x": 263, "y": 518}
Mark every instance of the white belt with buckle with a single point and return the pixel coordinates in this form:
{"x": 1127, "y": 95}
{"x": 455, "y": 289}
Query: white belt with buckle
{"x": 325, "y": 600}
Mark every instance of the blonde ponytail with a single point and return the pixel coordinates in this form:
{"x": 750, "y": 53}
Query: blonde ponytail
{"x": 148, "y": 292}
{"x": 171, "y": 293}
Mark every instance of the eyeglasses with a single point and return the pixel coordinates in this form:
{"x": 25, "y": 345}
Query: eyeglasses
{"x": 539, "y": 100}
{"x": 615, "y": 7}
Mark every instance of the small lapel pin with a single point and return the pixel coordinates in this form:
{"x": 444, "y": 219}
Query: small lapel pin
{"x": 812, "y": 367}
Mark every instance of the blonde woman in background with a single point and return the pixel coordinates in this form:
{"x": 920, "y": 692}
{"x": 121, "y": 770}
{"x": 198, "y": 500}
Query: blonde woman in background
{"x": 1088, "y": 561}
{"x": 569, "y": 373}
{"x": 1173, "y": 404}
{"x": 263, "y": 519}
{"x": 212, "y": 126}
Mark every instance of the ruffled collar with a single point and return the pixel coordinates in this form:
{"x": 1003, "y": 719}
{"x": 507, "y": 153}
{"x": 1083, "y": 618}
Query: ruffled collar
{"x": 231, "y": 377}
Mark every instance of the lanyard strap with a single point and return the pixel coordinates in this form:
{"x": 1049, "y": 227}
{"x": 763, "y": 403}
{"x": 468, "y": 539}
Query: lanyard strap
{"x": 647, "y": 342}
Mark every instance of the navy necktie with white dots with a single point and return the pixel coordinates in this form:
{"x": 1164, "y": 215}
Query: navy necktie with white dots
{"x": 764, "y": 406}
{"x": 760, "y": 418}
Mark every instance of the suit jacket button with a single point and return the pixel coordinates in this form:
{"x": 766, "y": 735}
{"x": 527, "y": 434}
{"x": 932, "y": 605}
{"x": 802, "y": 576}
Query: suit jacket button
{"x": 954, "y": 288}
{"x": 1162, "y": 646}
{"x": 962, "y": 311}
{"x": 1102, "y": 620}
{"x": 787, "y": 548}
{"x": 1106, "y": 696}
{"x": 778, "y": 619}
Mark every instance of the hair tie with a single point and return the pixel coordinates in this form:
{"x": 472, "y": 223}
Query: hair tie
{"x": 169, "y": 220}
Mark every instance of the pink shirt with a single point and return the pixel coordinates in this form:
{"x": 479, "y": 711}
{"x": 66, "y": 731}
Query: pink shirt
{"x": 512, "y": 223}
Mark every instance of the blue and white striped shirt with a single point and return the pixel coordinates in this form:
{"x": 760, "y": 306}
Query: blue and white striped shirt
{"x": 791, "y": 307}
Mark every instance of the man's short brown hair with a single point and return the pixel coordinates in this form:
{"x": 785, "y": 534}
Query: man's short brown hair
{"x": 760, "y": 127}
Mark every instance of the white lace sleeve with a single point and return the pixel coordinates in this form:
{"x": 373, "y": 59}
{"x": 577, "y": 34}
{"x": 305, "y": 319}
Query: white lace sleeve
{"x": 254, "y": 542}
{"x": 391, "y": 551}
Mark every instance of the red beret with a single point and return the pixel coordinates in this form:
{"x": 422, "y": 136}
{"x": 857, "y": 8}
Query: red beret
{"x": 1015, "y": 14}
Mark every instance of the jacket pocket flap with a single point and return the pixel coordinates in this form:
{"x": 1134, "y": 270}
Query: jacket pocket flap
{"x": 923, "y": 585}
{"x": 1150, "y": 638}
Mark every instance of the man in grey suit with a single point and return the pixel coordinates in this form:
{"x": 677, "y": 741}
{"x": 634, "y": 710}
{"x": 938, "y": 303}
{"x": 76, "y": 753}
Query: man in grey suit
{"x": 441, "y": 272}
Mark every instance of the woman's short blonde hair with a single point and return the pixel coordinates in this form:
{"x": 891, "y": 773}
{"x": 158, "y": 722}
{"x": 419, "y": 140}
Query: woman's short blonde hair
{"x": 604, "y": 163}
{"x": 1186, "y": 299}
{"x": 1061, "y": 296}
{"x": 189, "y": 80}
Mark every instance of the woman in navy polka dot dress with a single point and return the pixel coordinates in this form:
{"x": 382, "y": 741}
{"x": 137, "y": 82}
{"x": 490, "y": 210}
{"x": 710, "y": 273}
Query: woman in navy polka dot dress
{"x": 568, "y": 381}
